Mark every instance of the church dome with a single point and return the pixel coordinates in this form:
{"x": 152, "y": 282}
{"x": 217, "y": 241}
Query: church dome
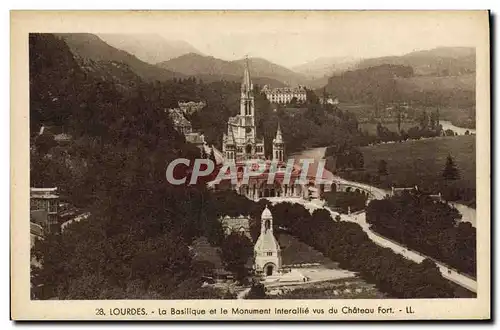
{"x": 266, "y": 214}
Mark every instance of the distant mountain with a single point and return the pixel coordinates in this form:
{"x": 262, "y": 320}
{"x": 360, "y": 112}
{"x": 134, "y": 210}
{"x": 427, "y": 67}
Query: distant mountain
{"x": 373, "y": 85}
{"x": 150, "y": 48}
{"x": 210, "y": 68}
{"x": 388, "y": 83}
{"x": 442, "y": 61}
{"x": 326, "y": 66}
{"x": 89, "y": 49}
{"x": 263, "y": 68}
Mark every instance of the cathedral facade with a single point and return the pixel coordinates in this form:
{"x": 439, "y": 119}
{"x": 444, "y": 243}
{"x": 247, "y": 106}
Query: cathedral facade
{"x": 241, "y": 143}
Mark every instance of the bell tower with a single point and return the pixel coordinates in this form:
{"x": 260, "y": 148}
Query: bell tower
{"x": 267, "y": 250}
{"x": 278, "y": 146}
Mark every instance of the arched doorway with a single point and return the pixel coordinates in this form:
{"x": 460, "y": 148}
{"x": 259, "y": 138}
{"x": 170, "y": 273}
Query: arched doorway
{"x": 266, "y": 192}
{"x": 269, "y": 269}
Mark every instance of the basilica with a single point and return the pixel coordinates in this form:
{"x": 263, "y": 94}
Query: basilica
{"x": 241, "y": 147}
{"x": 241, "y": 143}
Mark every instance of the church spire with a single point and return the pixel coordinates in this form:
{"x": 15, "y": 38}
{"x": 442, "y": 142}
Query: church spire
{"x": 279, "y": 137}
{"x": 246, "y": 85}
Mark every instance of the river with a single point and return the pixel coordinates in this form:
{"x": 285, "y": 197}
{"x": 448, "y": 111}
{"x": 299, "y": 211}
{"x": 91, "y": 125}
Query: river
{"x": 459, "y": 130}
{"x": 468, "y": 213}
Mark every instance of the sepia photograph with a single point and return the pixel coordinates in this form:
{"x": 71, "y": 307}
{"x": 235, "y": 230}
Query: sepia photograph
{"x": 213, "y": 163}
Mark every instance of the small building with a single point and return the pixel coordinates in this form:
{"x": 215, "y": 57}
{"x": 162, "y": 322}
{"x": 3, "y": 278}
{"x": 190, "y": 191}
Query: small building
{"x": 239, "y": 224}
{"x": 329, "y": 100}
{"x": 62, "y": 138}
{"x": 44, "y": 208}
{"x": 195, "y": 138}
{"x": 191, "y": 107}
{"x": 181, "y": 124}
{"x": 36, "y": 232}
{"x": 399, "y": 191}
{"x": 267, "y": 252}
{"x": 436, "y": 197}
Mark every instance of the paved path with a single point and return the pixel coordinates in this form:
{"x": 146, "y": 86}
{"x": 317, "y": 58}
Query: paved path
{"x": 460, "y": 279}
{"x": 360, "y": 218}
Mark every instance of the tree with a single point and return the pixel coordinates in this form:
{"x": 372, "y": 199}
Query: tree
{"x": 382, "y": 167}
{"x": 399, "y": 120}
{"x": 450, "y": 171}
{"x": 212, "y": 155}
{"x": 203, "y": 153}
{"x": 235, "y": 251}
{"x": 449, "y": 132}
{"x": 257, "y": 291}
{"x": 423, "y": 120}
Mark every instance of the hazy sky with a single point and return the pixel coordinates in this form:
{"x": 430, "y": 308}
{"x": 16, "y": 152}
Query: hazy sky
{"x": 292, "y": 38}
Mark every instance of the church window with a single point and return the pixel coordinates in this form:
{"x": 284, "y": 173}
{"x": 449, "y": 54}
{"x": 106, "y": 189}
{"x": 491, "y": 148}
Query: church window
{"x": 249, "y": 149}
{"x": 269, "y": 254}
{"x": 267, "y": 224}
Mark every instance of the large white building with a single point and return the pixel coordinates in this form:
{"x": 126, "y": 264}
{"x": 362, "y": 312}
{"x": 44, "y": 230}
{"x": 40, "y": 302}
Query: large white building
{"x": 285, "y": 95}
{"x": 267, "y": 252}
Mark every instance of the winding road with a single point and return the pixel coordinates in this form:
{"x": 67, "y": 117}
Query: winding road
{"x": 360, "y": 218}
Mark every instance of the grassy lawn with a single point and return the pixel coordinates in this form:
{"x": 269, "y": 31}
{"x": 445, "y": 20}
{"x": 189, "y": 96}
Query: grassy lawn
{"x": 294, "y": 251}
{"x": 359, "y": 109}
{"x": 421, "y": 162}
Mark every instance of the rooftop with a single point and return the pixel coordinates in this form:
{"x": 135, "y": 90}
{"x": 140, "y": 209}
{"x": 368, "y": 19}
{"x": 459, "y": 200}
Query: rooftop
{"x": 45, "y": 193}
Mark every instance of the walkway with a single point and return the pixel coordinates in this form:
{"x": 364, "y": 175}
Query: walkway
{"x": 460, "y": 279}
{"x": 360, "y": 218}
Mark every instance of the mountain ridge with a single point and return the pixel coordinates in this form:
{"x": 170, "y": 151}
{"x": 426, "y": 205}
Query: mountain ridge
{"x": 88, "y": 48}
{"x": 209, "y": 66}
{"x": 149, "y": 47}
{"x": 439, "y": 61}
